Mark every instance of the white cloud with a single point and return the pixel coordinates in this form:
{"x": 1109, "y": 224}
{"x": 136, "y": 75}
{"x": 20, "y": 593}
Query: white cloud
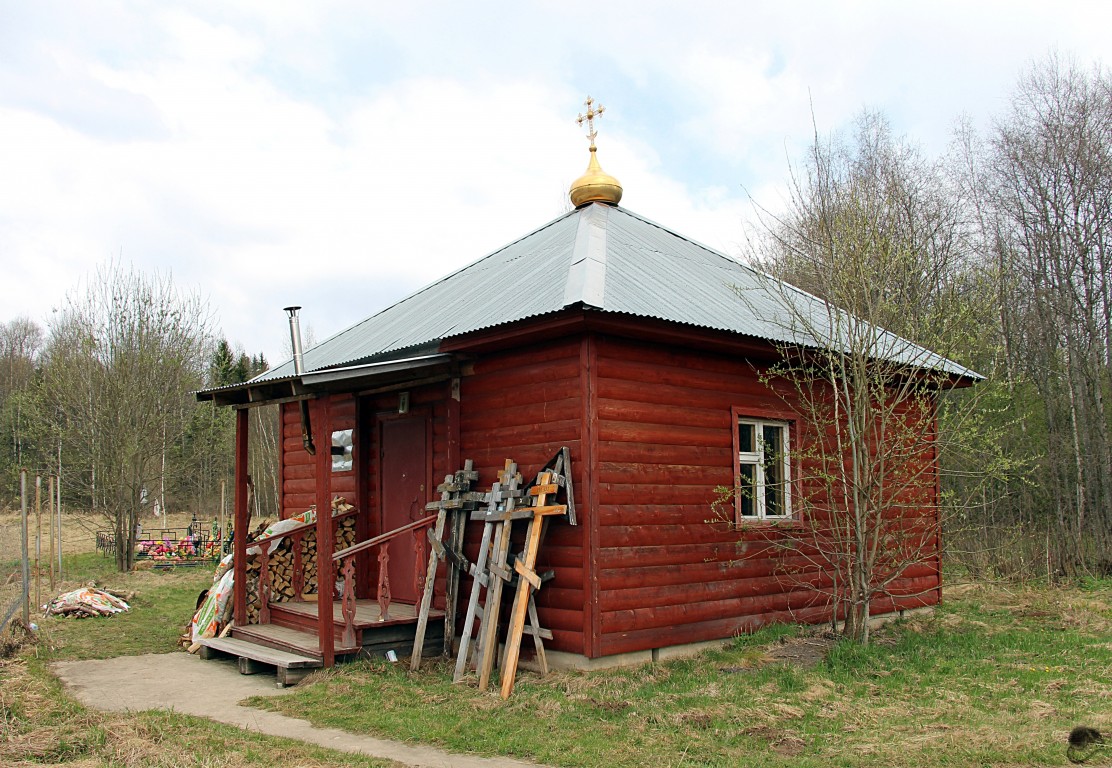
{"x": 338, "y": 155}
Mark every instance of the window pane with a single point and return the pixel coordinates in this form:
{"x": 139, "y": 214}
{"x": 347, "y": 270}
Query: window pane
{"x": 774, "y": 496}
{"x": 748, "y": 479}
{"x": 746, "y": 442}
{"x": 771, "y": 437}
{"x": 773, "y": 470}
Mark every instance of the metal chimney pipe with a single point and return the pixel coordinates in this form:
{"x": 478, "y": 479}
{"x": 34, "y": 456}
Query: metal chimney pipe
{"x": 295, "y": 339}
{"x": 298, "y": 367}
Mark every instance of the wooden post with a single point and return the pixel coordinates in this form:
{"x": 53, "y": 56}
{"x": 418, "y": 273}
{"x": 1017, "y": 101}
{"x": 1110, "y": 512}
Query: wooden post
{"x": 58, "y": 506}
{"x": 326, "y": 568}
{"x": 239, "y": 562}
{"x": 38, "y": 539}
{"x": 264, "y": 582}
{"x": 456, "y": 520}
{"x": 223, "y": 534}
{"x": 23, "y": 547}
{"x": 50, "y": 510}
{"x": 451, "y": 589}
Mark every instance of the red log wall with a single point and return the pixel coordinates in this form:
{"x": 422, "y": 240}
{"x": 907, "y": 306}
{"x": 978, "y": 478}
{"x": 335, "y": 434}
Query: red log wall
{"x": 664, "y": 442}
{"x": 524, "y": 404}
{"x": 650, "y": 428}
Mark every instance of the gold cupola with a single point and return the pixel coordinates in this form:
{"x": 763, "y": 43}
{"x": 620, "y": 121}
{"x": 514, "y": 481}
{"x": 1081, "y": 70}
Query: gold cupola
{"x": 595, "y": 185}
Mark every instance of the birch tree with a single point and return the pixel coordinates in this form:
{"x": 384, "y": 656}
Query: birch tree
{"x": 1048, "y": 180}
{"x": 123, "y": 354}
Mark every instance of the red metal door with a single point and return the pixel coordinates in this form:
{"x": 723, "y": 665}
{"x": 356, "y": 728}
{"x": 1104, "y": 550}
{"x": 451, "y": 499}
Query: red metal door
{"x": 404, "y": 469}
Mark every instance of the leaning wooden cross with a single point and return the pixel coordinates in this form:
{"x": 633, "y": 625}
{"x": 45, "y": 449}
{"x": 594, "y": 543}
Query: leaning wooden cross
{"x": 491, "y": 560}
{"x": 528, "y": 579}
{"x": 455, "y": 498}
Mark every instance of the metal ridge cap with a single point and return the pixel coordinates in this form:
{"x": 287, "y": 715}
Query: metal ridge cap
{"x": 586, "y": 280}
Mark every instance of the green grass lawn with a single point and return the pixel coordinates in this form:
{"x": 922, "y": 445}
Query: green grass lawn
{"x": 996, "y": 677}
{"x": 41, "y": 725}
{"x": 993, "y": 678}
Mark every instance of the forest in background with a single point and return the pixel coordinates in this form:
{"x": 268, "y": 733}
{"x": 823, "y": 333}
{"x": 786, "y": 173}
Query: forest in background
{"x": 995, "y": 253}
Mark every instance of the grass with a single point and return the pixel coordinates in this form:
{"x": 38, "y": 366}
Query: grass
{"x": 41, "y": 725}
{"x": 994, "y": 678}
{"x": 161, "y": 602}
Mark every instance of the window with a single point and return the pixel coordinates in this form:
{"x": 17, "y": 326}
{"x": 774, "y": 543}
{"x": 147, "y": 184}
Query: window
{"x": 763, "y": 469}
{"x": 341, "y": 450}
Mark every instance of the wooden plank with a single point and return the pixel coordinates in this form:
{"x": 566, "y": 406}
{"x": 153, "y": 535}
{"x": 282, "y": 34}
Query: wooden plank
{"x": 564, "y": 406}
{"x": 452, "y": 587}
{"x": 525, "y": 566}
{"x": 508, "y": 360}
{"x": 693, "y": 613}
{"x": 326, "y": 572}
{"x": 592, "y": 433}
{"x": 272, "y": 656}
{"x": 538, "y": 634}
{"x": 474, "y": 608}
{"x": 488, "y": 631}
{"x": 242, "y": 517}
{"x": 544, "y": 433}
{"x": 450, "y": 489}
{"x": 669, "y": 434}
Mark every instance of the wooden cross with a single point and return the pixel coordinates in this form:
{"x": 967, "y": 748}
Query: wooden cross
{"x": 452, "y": 491}
{"x": 491, "y": 560}
{"x": 589, "y": 118}
{"x": 530, "y": 580}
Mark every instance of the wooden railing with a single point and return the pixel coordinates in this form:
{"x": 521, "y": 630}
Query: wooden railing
{"x": 382, "y": 541}
{"x": 297, "y": 571}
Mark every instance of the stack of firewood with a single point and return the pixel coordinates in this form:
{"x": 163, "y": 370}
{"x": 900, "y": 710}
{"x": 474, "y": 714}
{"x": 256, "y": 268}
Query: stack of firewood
{"x": 252, "y": 590}
{"x": 280, "y": 564}
{"x": 345, "y": 537}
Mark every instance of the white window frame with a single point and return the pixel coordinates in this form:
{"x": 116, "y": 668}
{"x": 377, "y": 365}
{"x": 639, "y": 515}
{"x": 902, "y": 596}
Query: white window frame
{"x": 757, "y": 460}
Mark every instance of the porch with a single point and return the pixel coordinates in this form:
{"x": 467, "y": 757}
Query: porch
{"x": 291, "y": 644}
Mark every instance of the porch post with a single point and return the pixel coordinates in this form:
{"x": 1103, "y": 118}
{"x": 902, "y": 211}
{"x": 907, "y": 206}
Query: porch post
{"x": 239, "y": 548}
{"x": 326, "y": 570}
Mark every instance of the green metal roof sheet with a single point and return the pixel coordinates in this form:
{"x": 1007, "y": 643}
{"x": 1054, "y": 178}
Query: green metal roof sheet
{"x": 610, "y": 259}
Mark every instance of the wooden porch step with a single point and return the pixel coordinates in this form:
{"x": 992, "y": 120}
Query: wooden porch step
{"x": 291, "y": 667}
{"x": 367, "y": 613}
{"x": 287, "y": 639}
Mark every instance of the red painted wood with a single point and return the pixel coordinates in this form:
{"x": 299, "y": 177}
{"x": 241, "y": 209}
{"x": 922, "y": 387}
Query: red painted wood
{"x": 326, "y": 574}
{"x": 666, "y": 438}
{"x": 588, "y": 516}
{"x": 658, "y": 577}
{"x": 239, "y": 558}
{"x": 711, "y": 629}
{"x": 666, "y": 616}
{"x": 363, "y": 459}
{"x": 403, "y": 491}
{"x": 663, "y": 434}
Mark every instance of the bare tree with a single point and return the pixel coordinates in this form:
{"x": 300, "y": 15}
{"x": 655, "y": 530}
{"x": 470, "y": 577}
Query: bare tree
{"x": 122, "y": 356}
{"x": 1048, "y": 187}
{"x": 876, "y": 232}
{"x": 20, "y": 343}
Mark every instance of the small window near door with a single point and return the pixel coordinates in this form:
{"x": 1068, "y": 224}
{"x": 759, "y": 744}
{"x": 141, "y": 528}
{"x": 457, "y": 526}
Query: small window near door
{"x": 763, "y": 470}
{"x": 341, "y": 450}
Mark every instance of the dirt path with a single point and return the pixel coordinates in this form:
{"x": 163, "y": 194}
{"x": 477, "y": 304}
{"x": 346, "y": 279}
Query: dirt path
{"x": 213, "y": 688}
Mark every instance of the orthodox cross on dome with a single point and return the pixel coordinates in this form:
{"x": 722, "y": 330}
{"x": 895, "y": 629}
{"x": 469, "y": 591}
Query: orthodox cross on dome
{"x": 589, "y": 118}
{"x": 596, "y": 185}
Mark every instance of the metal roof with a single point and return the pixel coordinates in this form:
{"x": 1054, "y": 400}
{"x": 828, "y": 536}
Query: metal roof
{"x": 613, "y": 260}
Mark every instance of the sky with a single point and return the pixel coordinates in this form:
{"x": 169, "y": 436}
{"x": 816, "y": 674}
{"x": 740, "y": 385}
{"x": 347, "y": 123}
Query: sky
{"x": 341, "y": 155}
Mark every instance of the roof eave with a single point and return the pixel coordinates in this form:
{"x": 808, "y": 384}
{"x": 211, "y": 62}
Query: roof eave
{"x": 386, "y": 372}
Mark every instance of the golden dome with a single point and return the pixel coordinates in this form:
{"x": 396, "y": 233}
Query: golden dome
{"x": 595, "y": 185}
